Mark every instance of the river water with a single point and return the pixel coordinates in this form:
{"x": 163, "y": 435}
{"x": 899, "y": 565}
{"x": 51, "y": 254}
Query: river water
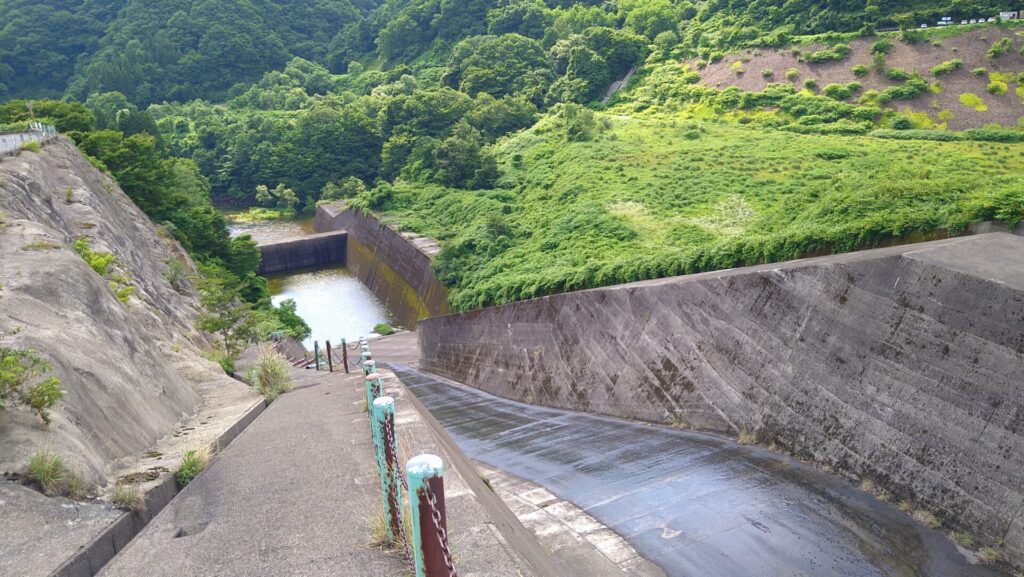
{"x": 334, "y": 303}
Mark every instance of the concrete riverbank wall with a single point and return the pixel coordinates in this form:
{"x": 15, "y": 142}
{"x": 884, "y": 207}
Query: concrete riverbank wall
{"x": 314, "y": 250}
{"x": 903, "y": 365}
{"x": 395, "y": 266}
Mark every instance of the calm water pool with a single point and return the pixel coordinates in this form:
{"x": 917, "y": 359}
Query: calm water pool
{"x": 334, "y": 303}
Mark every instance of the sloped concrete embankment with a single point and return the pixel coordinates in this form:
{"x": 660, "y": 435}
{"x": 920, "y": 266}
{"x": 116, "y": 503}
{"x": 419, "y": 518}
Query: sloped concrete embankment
{"x": 395, "y": 266}
{"x": 138, "y": 392}
{"x": 904, "y": 365}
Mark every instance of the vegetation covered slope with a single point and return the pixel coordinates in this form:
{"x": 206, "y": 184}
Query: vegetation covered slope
{"x": 615, "y": 199}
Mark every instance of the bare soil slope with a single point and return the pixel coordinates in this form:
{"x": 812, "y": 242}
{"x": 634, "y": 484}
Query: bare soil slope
{"x": 971, "y": 48}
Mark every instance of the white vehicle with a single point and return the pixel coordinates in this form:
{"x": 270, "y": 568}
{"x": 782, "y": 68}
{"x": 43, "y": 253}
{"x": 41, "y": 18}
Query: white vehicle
{"x": 924, "y": 26}
{"x": 963, "y": 22}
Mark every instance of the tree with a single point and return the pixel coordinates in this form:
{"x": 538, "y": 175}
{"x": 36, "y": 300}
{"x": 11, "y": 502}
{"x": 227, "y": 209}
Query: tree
{"x": 497, "y": 65}
{"x": 652, "y": 18}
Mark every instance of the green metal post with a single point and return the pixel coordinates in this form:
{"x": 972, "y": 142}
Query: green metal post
{"x": 316, "y": 354}
{"x": 369, "y": 366}
{"x": 373, "y": 388}
{"x": 387, "y": 462}
{"x": 426, "y": 476}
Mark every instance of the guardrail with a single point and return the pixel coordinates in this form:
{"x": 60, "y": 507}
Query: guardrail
{"x": 12, "y": 142}
{"x": 415, "y": 493}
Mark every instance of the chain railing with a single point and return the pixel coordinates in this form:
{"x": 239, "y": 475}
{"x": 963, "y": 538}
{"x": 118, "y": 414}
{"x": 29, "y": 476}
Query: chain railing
{"x": 425, "y": 542}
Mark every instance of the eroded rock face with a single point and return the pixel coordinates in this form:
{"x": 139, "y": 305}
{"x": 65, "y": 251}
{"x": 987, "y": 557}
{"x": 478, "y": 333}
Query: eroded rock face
{"x": 904, "y": 365}
{"x": 128, "y": 368}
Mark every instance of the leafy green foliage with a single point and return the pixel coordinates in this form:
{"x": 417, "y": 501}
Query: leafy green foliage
{"x": 383, "y": 329}
{"x": 98, "y": 261}
{"x": 23, "y": 381}
{"x": 947, "y": 67}
{"x": 737, "y": 196}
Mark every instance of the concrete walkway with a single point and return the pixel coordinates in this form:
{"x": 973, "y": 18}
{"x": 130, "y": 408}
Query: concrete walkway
{"x": 295, "y": 494}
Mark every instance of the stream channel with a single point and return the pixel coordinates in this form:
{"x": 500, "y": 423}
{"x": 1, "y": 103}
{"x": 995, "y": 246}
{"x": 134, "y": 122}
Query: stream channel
{"x": 334, "y": 303}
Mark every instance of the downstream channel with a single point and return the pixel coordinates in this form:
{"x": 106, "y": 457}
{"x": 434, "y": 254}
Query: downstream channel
{"x": 696, "y": 505}
{"x": 332, "y": 300}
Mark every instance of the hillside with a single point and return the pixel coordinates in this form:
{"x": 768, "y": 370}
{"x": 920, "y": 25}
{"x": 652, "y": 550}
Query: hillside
{"x": 590, "y": 202}
{"x": 956, "y": 99}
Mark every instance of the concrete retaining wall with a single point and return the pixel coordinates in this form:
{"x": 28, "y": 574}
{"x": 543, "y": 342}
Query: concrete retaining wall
{"x": 904, "y": 365}
{"x": 310, "y": 251}
{"x": 395, "y": 266}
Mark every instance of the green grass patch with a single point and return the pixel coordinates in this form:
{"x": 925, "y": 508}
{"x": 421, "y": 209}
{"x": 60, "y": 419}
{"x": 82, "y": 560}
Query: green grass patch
{"x": 32, "y": 146}
{"x": 383, "y": 329}
{"x": 640, "y": 200}
{"x": 971, "y": 100}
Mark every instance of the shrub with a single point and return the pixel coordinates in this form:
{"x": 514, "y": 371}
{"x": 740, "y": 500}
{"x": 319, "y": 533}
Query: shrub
{"x": 999, "y": 47}
{"x": 271, "y": 374}
{"x": 881, "y": 47}
{"x": 947, "y": 67}
{"x": 980, "y": 71}
{"x": 810, "y": 84}
{"x": 911, "y": 89}
{"x": 128, "y": 497}
{"x": 860, "y": 71}
{"x": 897, "y": 74}
{"x": 837, "y": 52}
{"x": 192, "y": 463}
{"x": 98, "y": 261}
{"x": 836, "y": 92}
{"x": 997, "y": 87}
{"x": 737, "y": 68}
{"x": 792, "y": 74}
{"x": 383, "y": 329}
{"x": 23, "y": 381}
{"x": 46, "y": 468}
{"x": 902, "y": 123}
{"x": 767, "y": 73}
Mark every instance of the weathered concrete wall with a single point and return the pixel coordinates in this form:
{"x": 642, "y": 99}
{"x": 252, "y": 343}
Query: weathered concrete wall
{"x": 314, "y": 250}
{"x": 904, "y": 365}
{"x": 396, "y": 266}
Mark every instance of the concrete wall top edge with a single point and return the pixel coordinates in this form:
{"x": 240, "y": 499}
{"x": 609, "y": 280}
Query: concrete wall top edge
{"x": 917, "y": 250}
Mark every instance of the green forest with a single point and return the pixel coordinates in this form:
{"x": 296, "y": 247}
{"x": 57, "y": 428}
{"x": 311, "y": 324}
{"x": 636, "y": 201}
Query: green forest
{"x": 488, "y": 124}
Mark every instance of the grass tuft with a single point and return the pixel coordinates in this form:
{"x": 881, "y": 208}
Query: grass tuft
{"x": 193, "y": 463}
{"x": 128, "y": 497}
{"x": 47, "y": 469}
{"x": 271, "y": 375}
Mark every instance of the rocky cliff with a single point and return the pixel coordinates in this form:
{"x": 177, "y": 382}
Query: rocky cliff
{"x": 130, "y": 363}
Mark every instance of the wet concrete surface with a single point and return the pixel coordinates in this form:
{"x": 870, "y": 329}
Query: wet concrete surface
{"x": 697, "y": 505}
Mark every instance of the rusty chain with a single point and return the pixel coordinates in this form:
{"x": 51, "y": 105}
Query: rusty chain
{"x": 395, "y": 473}
{"x": 442, "y": 535}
